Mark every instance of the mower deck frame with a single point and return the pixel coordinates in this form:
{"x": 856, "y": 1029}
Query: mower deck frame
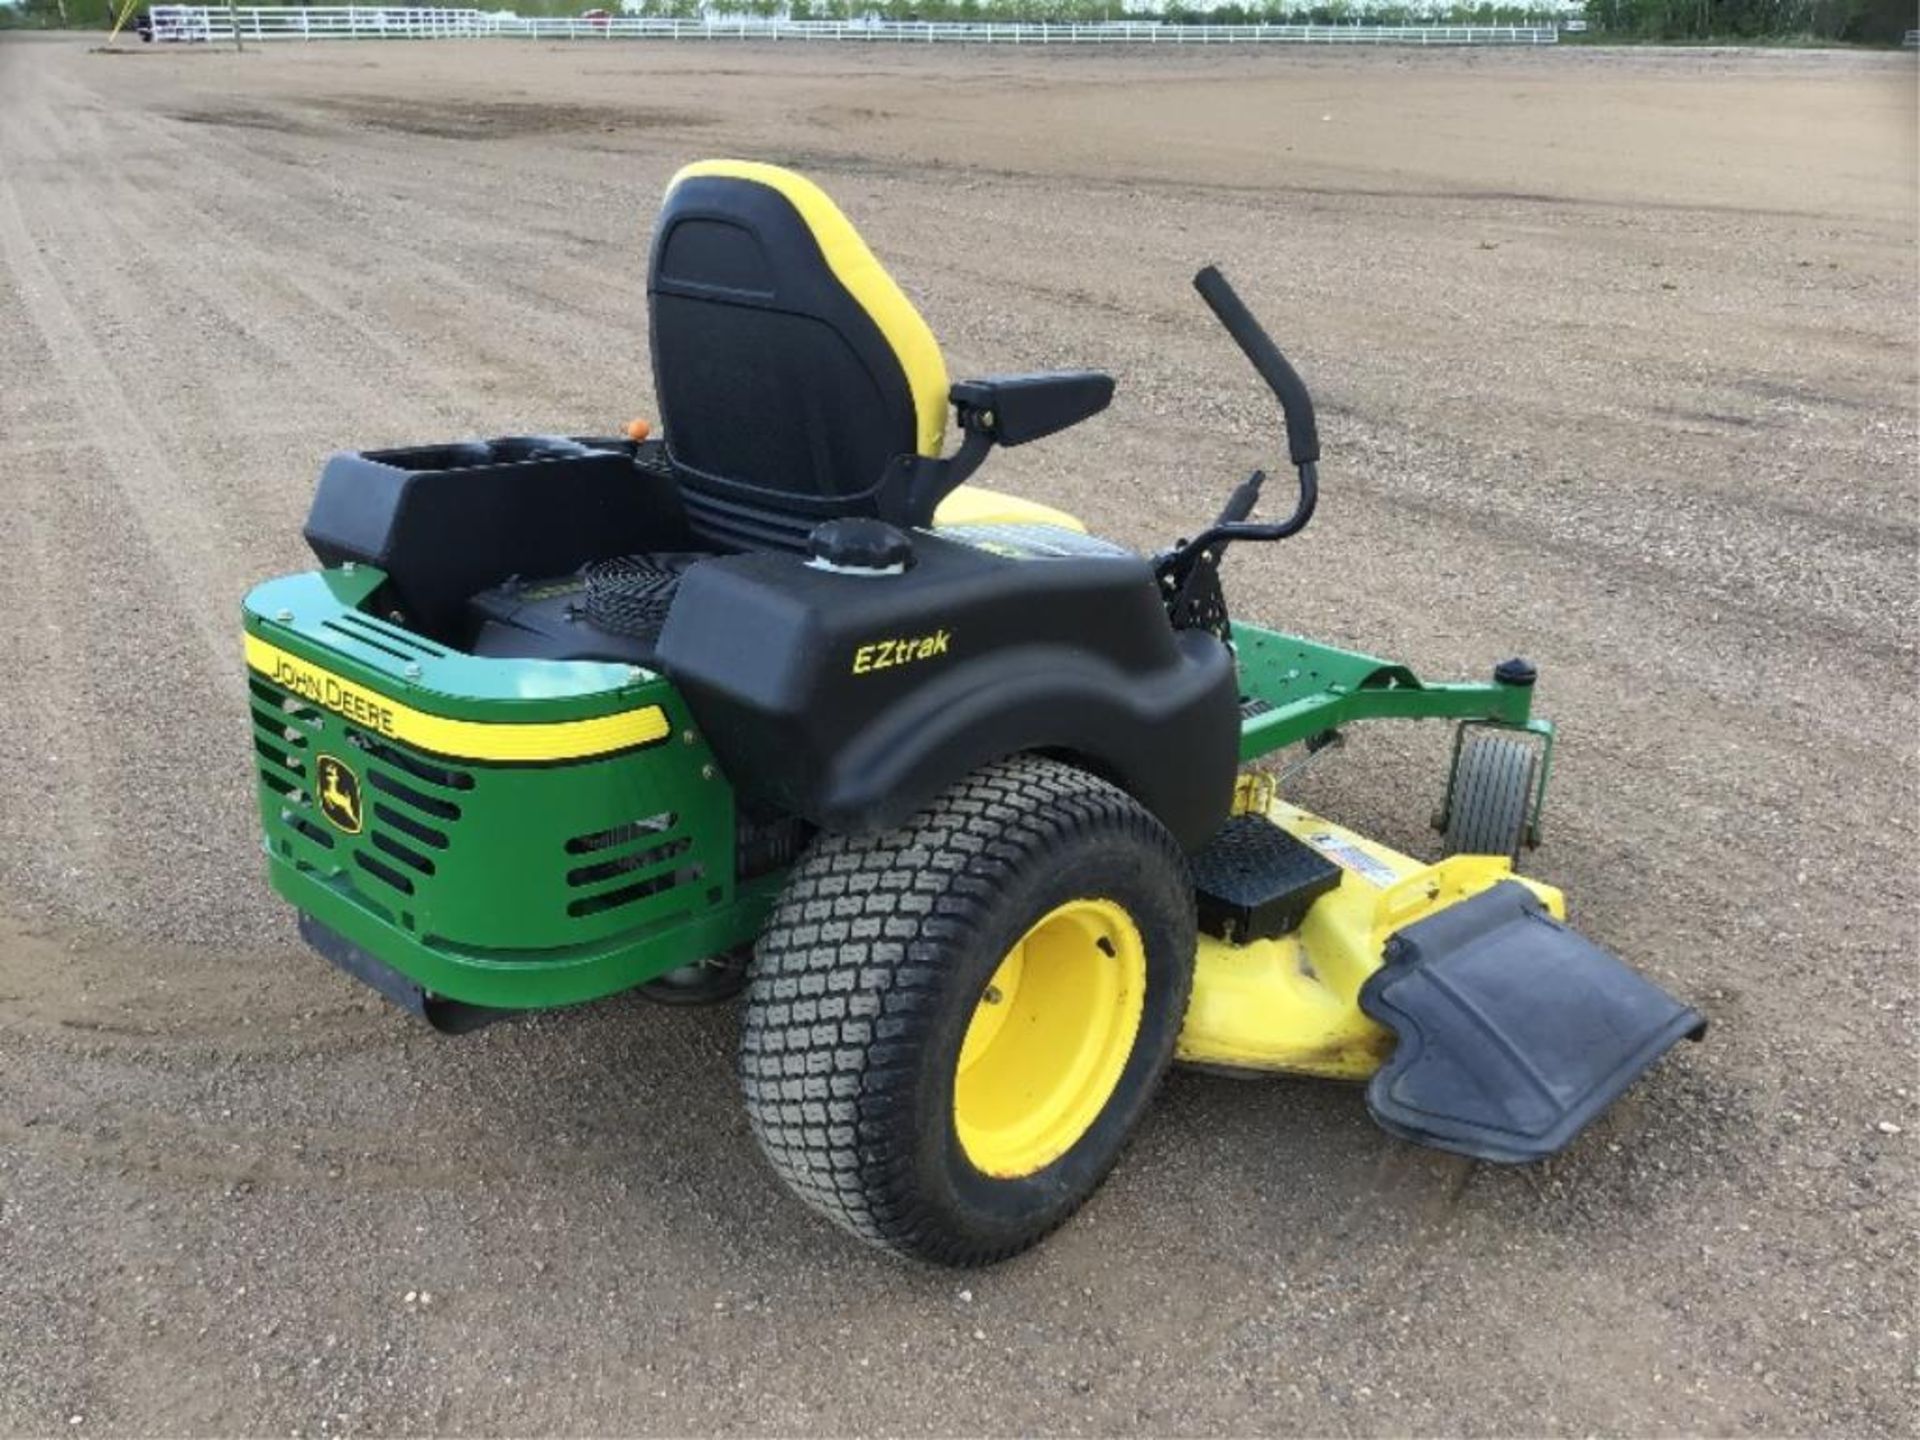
{"x": 1298, "y": 690}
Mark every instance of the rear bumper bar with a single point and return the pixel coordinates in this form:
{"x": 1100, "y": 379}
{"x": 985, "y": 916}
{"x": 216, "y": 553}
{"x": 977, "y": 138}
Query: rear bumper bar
{"x": 449, "y": 1017}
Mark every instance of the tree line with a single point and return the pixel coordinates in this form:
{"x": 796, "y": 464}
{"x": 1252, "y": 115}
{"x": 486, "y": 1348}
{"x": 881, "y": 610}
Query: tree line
{"x": 1870, "y": 22}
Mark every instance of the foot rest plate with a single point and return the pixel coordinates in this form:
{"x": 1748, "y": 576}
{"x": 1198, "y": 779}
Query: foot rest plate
{"x": 1256, "y": 882}
{"x": 1515, "y": 1032}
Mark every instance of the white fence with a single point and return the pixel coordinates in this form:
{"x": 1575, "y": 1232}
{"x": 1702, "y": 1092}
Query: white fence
{"x": 205, "y": 23}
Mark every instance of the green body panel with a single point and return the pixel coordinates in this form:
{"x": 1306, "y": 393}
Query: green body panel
{"x": 509, "y": 884}
{"x": 323, "y": 615}
{"x": 539, "y": 981}
{"x": 530, "y": 885}
{"x": 1313, "y": 688}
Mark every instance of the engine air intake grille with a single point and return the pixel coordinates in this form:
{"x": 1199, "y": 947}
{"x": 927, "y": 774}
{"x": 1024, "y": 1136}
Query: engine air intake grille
{"x": 630, "y": 595}
{"x": 631, "y": 861}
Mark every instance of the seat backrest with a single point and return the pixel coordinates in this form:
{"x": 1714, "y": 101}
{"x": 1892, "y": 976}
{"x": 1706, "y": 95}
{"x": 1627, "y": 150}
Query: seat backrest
{"x": 788, "y": 367}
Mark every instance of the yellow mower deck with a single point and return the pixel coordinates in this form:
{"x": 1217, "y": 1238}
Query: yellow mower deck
{"x": 1293, "y": 1004}
{"x": 1482, "y": 1023}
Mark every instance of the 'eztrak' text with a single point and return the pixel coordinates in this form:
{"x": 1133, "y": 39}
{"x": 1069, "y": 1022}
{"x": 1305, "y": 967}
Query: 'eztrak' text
{"x": 885, "y": 654}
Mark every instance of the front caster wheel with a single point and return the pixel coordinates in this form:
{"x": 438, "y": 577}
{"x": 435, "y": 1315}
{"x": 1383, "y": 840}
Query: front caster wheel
{"x": 953, "y": 1027}
{"x": 1492, "y": 800}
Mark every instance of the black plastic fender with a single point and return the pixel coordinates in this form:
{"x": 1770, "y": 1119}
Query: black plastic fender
{"x": 852, "y": 700}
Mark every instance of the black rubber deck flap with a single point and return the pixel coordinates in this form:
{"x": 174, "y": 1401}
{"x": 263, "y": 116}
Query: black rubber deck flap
{"x": 1515, "y": 1032}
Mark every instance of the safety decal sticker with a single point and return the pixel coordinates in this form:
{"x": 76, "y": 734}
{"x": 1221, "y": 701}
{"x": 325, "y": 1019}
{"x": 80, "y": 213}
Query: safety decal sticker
{"x": 1345, "y": 853}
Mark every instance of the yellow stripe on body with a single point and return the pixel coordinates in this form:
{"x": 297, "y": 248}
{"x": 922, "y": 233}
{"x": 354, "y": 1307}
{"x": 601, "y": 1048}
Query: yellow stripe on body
{"x": 864, "y": 278}
{"x": 458, "y": 739}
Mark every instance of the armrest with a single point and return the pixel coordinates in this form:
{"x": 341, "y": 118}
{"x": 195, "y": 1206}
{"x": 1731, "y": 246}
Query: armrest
{"x": 1013, "y": 409}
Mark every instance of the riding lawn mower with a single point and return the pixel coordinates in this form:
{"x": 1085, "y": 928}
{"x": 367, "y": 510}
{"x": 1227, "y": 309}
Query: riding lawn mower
{"x": 964, "y": 798}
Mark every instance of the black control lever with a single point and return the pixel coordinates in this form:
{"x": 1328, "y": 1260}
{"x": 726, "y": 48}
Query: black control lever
{"x": 1303, "y": 433}
{"x": 1296, "y": 406}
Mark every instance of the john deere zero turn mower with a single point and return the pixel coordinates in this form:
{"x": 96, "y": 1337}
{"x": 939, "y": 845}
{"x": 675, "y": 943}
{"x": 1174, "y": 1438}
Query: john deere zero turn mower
{"x": 954, "y": 789}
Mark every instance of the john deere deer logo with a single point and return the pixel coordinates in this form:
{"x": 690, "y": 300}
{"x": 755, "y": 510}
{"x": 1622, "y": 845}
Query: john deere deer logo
{"x": 339, "y": 795}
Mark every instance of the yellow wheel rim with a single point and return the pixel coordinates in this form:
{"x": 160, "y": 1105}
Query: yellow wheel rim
{"x": 1049, "y": 1038}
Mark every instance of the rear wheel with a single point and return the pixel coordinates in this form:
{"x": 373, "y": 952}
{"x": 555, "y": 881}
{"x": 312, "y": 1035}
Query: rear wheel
{"x": 953, "y": 1027}
{"x": 1492, "y": 796}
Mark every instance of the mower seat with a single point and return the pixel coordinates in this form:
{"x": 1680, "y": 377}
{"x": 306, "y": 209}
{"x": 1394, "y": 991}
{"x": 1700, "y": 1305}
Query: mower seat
{"x": 789, "y": 368}
{"x": 796, "y": 383}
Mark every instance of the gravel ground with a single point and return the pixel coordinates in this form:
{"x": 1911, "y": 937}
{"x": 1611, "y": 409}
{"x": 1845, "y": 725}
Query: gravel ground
{"x": 1618, "y": 369}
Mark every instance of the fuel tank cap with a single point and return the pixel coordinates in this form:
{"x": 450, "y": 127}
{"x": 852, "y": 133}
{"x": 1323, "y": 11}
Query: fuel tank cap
{"x": 855, "y": 545}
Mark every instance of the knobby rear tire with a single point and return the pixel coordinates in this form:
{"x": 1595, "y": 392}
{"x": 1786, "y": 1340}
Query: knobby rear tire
{"x": 870, "y": 969}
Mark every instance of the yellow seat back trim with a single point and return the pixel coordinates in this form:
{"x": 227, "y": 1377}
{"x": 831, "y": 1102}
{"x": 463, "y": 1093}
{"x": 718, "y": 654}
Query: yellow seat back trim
{"x": 976, "y": 505}
{"x": 862, "y": 277}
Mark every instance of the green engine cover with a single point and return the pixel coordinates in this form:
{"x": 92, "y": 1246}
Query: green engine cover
{"x": 511, "y": 833}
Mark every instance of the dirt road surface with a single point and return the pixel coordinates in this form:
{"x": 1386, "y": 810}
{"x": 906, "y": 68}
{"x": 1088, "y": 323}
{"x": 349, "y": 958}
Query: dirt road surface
{"x": 1617, "y": 358}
